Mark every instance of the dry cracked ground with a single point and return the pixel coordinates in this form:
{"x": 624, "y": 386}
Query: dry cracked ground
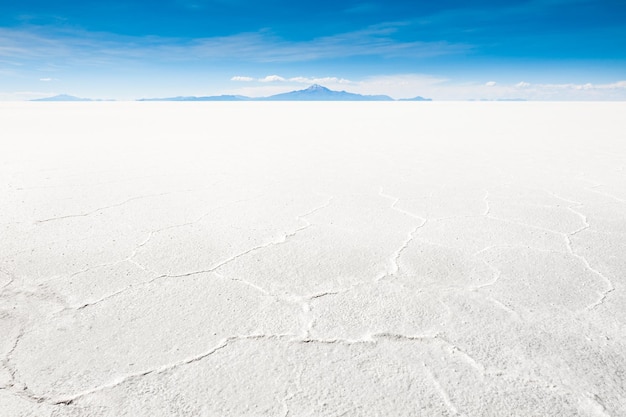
{"x": 321, "y": 259}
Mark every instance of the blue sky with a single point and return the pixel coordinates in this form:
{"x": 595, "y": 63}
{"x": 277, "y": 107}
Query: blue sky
{"x": 445, "y": 49}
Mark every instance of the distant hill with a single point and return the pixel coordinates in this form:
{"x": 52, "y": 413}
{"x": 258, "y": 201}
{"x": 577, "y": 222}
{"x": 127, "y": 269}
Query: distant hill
{"x": 313, "y": 93}
{"x": 62, "y": 97}
{"x": 418, "y": 98}
{"x": 206, "y": 98}
{"x": 497, "y": 99}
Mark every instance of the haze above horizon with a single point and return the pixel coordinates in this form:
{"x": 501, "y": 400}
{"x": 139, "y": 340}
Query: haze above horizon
{"x": 528, "y": 49}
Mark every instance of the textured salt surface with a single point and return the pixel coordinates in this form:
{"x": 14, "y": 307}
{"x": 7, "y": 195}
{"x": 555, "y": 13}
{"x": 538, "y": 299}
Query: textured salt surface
{"x": 313, "y": 259}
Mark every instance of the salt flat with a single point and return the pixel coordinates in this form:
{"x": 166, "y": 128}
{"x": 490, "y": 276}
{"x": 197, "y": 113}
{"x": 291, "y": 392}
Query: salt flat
{"x": 313, "y": 259}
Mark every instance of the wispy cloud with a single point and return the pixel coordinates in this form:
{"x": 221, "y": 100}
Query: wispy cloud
{"x": 300, "y": 80}
{"x": 363, "y": 8}
{"x": 241, "y": 78}
{"x": 376, "y": 41}
{"x": 39, "y": 47}
{"x": 272, "y": 79}
{"x": 587, "y": 86}
{"x": 529, "y": 91}
{"x": 468, "y": 14}
{"x": 321, "y": 80}
{"x": 72, "y": 46}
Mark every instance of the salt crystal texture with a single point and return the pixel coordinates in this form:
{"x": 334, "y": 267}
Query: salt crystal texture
{"x": 313, "y": 259}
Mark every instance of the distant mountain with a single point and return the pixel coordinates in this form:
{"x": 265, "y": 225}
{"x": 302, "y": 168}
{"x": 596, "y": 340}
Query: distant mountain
{"x": 319, "y": 93}
{"x": 497, "y": 99}
{"x": 205, "y": 98}
{"x": 62, "y": 97}
{"x": 418, "y": 98}
{"x": 313, "y": 93}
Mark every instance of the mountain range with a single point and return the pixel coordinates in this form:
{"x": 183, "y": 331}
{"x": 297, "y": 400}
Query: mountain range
{"x": 313, "y": 93}
{"x": 62, "y": 97}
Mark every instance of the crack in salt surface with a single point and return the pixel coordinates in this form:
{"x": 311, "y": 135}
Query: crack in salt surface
{"x": 410, "y": 237}
{"x": 395, "y": 201}
{"x": 487, "y": 215}
{"x": 11, "y": 281}
{"x": 593, "y": 189}
{"x": 396, "y": 256}
{"x": 89, "y": 213}
{"x": 282, "y": 240}
{"x": 9, "y": 355}
{"x": 486, "y": 201}
{"x": 198, "y": 219}
{"x": 497, "y": 275}
{"x": 288, "y": 396}
{"x": 599, "y": 407}
{"x": 609, "y": 283}
{"x": 466, "y": 356}
{"x": 248, "y": 283}
{"x": 226, "y": 342}
{"x": 557, "y": 196}
{"x": 67, "y": 400}
{"x": 213, "y": 268}
{"x": 371, "y": 339}
{"x": 193, "y": 273}
{"x": 570, "y": 249}
{"x": 442, "y": 392}
{"x": 531, "y": 226}
{"x": 14, "y": 386}
{"x": 151, "y": 234}
{"x": 374, "y": 338}
{"x": 584, "y": 219}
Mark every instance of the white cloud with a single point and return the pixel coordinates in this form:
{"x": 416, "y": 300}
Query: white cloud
{"x": 323, "y": 80}
{"x": 397, "y": 86}
{"x": 587, "y": 86}
{"x": 241, "y": 78}
{"x": 438, "y": 88}
{"x": 272, "y": 79}
{"x": 264, "y": 90}
{"x": 491, "y": 83}
{"x": 528, "y": 91}
{"x": 76, "y": 46}
{"x": 303, "y": 80}
{"x": 612, "y": 86}
{"x": 400, "y": 85}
